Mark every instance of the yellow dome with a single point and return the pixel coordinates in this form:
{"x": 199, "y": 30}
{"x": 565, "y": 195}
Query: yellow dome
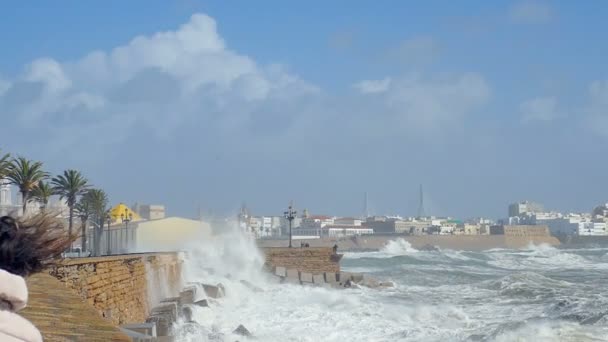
{"x": 122, "y": 209}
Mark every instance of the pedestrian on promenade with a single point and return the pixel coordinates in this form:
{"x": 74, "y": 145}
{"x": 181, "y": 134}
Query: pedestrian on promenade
{"x": 26, "y": 247}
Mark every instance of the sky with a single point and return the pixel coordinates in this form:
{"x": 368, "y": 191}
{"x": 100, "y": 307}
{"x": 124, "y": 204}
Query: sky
{"x": 209, "y": 104}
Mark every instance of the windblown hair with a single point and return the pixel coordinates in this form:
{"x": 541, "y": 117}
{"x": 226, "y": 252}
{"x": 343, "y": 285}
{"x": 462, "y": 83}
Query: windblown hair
{"x": 29, "y": 246}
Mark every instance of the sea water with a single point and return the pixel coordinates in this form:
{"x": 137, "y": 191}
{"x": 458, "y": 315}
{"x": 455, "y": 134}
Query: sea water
{"x": 536, "y": 294}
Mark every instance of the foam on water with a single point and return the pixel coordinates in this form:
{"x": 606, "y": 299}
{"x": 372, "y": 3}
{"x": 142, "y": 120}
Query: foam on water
{"x": 500, "y": 295}
{"x": 392, "y": 248}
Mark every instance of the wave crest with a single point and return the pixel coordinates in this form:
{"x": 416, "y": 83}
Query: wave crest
{"x": 398, "y": 247}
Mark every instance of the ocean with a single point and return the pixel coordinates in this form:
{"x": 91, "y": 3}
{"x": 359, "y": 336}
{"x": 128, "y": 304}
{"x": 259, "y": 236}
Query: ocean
{"x": 536, "y": 294}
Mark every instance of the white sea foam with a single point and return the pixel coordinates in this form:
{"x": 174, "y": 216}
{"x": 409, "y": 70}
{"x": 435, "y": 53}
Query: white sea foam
{"x": 398, "y": 247}
{"x": 392, "y": 248}
{"x": 501, "y": 308}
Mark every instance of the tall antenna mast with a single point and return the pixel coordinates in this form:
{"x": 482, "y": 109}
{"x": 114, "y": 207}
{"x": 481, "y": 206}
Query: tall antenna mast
{"x": 421, "y": 204}
{"x": 365, "y": 206}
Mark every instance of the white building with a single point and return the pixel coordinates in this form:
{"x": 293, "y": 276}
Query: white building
{"x": 6, "y": 198}
{"x": 592, "y": 228}
{"x": 348, "y": 221}
{"x": 525, "y": 207}
{"x": 333, "y": 231}
{"x": 347, "y": 230}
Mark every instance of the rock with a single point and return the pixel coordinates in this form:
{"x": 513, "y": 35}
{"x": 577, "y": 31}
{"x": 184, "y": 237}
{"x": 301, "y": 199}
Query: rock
{"x": 280, "y": 271}
{"x": 241, "y": 330}
{"x": 356, "y": 277}
{"x": 293, "y": 277}
{"x": 202, "y": 303}
{"x": 343, "y": 277}
{"x": 172, "y": 300}
{"x": 187, "y": 295}
{"x": 370, "y": 282}
{"x": 428, "y": 247}
{"x": 349, "y": 284}
{"x": 387, "y": 284}
{"x": 330, "y": 278}
{"x": 251, "y": 286}
{"x": 306, "y": 277}
{"x": 187, "y": 314}
{"x": 163, "y": 324}
{"x": 318, "y": 279}
{"x": 214, "y": 291}
{"x": 166, "y": 309}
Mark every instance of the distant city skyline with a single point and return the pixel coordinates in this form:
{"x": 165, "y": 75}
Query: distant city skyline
{"x": 196, "y": 104}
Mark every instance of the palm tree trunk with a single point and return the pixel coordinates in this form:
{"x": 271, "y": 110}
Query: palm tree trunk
{"x": 70, "y": 221}
{"x": 84, "y": 236}
{"x": 24, "y": 201}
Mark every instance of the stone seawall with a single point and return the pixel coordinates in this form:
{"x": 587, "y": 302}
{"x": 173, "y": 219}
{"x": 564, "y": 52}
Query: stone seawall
{"x": 310, "y": 260}
{"x": 122, "y": 288}
{"x": 456, "y": 242}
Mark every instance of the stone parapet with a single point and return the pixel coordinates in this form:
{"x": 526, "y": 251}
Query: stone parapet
{"x": 309, "y": 260}
{"x": 123, "y": 287}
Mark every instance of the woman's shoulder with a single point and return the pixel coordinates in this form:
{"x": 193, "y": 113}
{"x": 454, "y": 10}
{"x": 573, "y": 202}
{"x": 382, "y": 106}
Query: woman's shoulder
{"x": 16, "y": 328}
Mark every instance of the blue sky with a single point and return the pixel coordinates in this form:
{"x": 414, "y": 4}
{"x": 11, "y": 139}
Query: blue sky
{"x": 206, "y": 103}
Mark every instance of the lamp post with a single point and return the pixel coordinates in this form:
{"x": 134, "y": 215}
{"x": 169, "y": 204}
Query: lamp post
{"x": 126, "y": 218}
{"x": 290, "y": 214}
{"x": 108, "y": 219}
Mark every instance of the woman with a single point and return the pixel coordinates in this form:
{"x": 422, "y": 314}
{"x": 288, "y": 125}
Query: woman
{"x": 26, "y": 247}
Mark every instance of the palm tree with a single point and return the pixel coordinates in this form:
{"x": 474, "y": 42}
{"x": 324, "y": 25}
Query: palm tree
{"x": 25, "y": 174}
{"x": 98, "y": 205}
{"x": 5, "y": 164}
{"x": 83, "y": 210}
{"x": 42, "y": 193}
{"x": 70, "y": 185}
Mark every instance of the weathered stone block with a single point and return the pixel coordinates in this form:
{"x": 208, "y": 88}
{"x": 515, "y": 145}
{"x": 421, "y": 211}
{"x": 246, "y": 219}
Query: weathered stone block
{"x": 318, "y": 279}
{"x": 214, "y": 291}
{"x": 188, "y": 295}
{"x": 280, "y": 271}
{"x": 241, "y": 330}
{"x": 306, "y": 277}
{"x": 293, "y": 274}
{"x": 202, "y": 303}
{"x": 330, "y": 277}
{"x": 343, "y": 276}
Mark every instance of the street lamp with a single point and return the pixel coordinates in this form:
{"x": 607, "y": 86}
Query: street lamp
{"x": 290, "y": 214}
{"x": 108, "y": 219}
{"x": 126, "y": 218}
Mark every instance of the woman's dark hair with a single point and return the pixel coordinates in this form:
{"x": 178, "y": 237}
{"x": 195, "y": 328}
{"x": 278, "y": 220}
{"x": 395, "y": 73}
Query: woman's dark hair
{"x": 29, "y": 246}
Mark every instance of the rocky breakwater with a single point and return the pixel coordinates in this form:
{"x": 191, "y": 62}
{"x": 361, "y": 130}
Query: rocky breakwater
{"x": 172, "y": 320}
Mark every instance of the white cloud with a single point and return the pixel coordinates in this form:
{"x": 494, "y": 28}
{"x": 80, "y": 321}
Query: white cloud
{"x": 531, "y": 12}
{"x": 435, "y": 101}
{"x": 373, "y": 86}
{"x": 421, "y": 102}
{"x": 159, "y": 81}
{"x": 597, "y": 107}
{"x": 4, "y": 86}
{"x": 415, "y": 51}
{"x": 539, "y": 109}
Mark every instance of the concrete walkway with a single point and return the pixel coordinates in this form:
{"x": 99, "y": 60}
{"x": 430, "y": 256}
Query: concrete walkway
{"x": 61, "y": 315}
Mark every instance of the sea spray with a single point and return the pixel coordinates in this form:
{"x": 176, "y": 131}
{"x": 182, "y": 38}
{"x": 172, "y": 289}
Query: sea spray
{"x": 441, "y": 296}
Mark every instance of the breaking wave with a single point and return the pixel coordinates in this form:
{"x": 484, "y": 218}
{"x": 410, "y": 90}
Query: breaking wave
{"x": 539, "y": 293}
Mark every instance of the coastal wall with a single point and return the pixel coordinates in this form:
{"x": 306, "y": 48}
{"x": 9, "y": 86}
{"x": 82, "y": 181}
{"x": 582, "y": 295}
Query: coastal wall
{"x": 456, "y": 242}
{"x": 311, "y": 260}
{"x": 122, "y": 288}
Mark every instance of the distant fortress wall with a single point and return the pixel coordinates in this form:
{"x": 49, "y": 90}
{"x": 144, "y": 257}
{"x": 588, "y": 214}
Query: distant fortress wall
{"x": 456, "y": 242}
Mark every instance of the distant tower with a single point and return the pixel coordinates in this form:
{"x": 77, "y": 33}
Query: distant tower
{"x": 365, "y": 206}
{"x": 5, "y": 197}
{"x": 421, "y": 204}
{"x": 5, "y": 193}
